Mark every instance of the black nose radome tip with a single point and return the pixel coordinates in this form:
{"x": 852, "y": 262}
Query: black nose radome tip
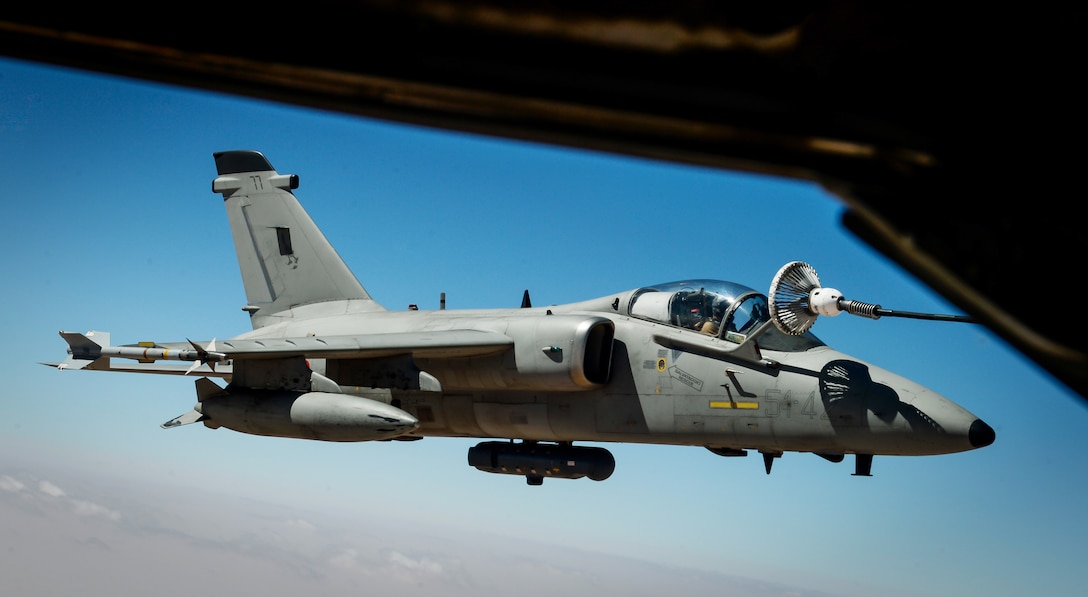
{"x": 981, "y": 434}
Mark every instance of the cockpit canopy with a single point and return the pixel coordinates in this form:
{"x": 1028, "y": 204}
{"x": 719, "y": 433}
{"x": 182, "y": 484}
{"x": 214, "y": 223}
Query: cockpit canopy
{"x": 716, "y": 308}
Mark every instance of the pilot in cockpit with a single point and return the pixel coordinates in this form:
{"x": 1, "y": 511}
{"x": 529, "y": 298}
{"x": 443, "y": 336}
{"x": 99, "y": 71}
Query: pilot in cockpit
{"x": 710, "y": 325}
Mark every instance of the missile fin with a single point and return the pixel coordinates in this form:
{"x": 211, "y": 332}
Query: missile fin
{"x": 83, "y": 349}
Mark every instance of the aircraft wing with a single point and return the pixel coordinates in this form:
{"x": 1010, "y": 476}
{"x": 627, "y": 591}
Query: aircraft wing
{"x": 105, "y": 364}
{"x": 433, "y": 345}
{"x": 92, "y": 350}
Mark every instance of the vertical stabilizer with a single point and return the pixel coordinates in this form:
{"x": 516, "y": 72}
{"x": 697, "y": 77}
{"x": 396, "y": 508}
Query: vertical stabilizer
{"x": 285, "y": 260}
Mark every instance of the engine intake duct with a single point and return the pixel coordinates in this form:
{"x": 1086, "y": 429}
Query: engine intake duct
{"x": 551, "y": 353}
{"x": 535, "y": 461}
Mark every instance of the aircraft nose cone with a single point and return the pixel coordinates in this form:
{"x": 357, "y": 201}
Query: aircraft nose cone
{"x": 980, "y": 434}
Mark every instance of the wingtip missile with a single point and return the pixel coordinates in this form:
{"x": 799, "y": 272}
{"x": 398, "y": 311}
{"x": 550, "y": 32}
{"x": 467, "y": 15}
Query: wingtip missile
{"x": 86, "y": 349}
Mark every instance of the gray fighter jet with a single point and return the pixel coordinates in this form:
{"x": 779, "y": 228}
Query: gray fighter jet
{"x": 696, "y": 362}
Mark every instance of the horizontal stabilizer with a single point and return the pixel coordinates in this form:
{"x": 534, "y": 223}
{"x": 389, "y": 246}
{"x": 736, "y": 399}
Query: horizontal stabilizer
{"x": 206, "y": 388}
{"x": 192, "y": 416}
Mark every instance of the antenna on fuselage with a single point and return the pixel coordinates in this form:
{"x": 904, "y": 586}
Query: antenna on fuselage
{"x": 797, "y": 300}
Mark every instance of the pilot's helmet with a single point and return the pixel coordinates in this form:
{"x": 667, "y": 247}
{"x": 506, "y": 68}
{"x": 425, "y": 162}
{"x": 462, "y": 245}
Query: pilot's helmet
{"x": 718, "y": 310}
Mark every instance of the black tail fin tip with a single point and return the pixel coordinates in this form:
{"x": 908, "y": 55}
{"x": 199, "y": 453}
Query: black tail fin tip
{"x": 240, "y": 160}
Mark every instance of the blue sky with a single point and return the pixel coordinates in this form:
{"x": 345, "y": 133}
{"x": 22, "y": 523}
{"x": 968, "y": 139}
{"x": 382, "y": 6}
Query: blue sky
{"x": 113, "y": 226}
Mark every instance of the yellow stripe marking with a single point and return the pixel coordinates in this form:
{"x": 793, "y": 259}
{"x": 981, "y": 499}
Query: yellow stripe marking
{"x": 726, "y": 404}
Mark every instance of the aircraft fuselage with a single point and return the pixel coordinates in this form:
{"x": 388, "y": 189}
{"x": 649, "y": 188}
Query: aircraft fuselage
{"x": 819, "y": 400}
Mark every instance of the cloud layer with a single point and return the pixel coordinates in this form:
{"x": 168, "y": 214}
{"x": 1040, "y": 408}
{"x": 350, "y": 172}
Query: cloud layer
{"x": 93, "y": 536}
